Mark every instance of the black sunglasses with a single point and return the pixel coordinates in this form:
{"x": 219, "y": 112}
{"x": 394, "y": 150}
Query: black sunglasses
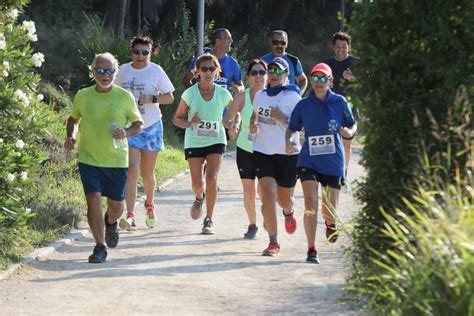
{"x": 206, "y": 69}
{"x": 138, "y": 52}
{"x": 275, "y": 42}
{"x": 258, "y": 72}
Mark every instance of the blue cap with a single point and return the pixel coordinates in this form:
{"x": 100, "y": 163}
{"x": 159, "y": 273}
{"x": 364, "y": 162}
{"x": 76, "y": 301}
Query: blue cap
{"x": 280, "y": 62}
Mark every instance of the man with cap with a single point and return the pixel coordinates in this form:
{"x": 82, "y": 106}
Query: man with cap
{"x": 275, "y": 169}
{"x": 279, "y": 43}
{"x": 325, "y": 117}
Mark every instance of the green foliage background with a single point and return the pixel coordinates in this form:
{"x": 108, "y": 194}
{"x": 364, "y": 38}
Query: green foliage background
{"x": 415, "y": 86}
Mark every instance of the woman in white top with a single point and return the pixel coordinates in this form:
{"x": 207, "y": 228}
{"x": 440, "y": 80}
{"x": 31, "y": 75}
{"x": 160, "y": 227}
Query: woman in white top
{"x": 276, "y": 171}
{"x": 151, "y": 87}
{"x": 241, "y": 109}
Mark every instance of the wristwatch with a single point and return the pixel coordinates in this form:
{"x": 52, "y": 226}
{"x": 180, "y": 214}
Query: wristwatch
{"x": 154, "y": 99}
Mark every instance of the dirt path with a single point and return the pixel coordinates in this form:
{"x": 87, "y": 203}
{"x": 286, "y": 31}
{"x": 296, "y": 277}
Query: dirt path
{"x": 174, "y": 270}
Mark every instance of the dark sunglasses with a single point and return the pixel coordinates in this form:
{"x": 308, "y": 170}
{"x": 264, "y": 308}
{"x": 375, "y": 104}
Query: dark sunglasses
{"x": 258, "y": 72}
{"x": 101, "y": 71}
{"x": 277, "y": 71}
{"x": 315, "y": 78}
{"x": 206, "y": 69}
{"x": 275, "y": 42}
{"x": 138, "y": 52}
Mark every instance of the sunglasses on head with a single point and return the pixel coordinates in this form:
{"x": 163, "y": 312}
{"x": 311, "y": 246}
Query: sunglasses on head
{"x": 206, "y": 69}
{"x": 139, "y": 51}
{"x": 277, "y": 71}
{"x": 101, "y": 71}
{"x": 275, "y": 42}
{"x": 316, "y": 78}
{"x": 258, "y": 72}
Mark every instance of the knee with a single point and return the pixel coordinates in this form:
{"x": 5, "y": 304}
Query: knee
{"x": 310, "y": 212}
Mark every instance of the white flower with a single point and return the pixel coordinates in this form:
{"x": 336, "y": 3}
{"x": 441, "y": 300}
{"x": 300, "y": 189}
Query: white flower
{"x": 10, "y": 177}
{"x": 3, "y": 44}
{"x": 38, "y": 59}
{"x": 29, "y": 26}
{"x": 27, "y": 209}
{"x": 13, "y": 13}
{"x": 24, "y": 175}
{"x": 1, "y": 140}
{"x": 6, "y": 65}
{"x": 4, "y": 73}
{"x": 32, "y": 37}
{"x": 20, "y": 144}
{"x": 21, "y": 97}
{"x": 40, "y": 97}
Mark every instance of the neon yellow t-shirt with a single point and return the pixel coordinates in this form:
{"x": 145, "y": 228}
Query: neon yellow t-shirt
{"x": 210, "y": 130}
{"x": 97, "y": 112}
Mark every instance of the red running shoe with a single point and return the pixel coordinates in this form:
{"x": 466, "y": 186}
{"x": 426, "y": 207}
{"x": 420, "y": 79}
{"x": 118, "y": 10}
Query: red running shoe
{"x": 290, "y": 222}
{"x": 272, "y": 250}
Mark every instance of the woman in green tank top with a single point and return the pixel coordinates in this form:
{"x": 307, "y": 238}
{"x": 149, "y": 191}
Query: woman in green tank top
{"x": 237, "y": 120}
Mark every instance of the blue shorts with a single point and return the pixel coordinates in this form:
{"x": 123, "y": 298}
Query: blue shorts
{"x": 108, "y": 181}
{"x": 151, "y": 138}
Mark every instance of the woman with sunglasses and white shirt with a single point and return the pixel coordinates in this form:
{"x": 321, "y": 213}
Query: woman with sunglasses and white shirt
{"x": 203, "y": 106}
{"x": 276, "y": 171}
{"x": 151, "y": 87}
{"x": 237, "y": 121}
{"x": 325, "y": 117}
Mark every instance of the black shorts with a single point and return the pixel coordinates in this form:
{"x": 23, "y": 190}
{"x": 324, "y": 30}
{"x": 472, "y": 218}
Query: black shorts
{"x": 309, "y": 174}
{"x": 202, "y": 152}
{"x": 246, "y": 164}
{"x": 282, "y": 168}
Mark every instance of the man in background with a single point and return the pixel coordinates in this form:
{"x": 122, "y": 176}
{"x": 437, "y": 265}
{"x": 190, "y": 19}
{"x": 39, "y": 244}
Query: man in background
{"x": 279, "y": 43}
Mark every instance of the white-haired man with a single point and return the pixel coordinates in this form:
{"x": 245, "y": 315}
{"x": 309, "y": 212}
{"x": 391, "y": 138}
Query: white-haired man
{"x": 107, "y": 115}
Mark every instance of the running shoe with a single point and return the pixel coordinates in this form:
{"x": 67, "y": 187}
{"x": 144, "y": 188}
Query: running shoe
{"x": 196, "y": 208}
{"x": 207, "y": 227}
{"x": 312, "y": 256}
{"x": 332, "y": 233}
{"x": 272, "y": 250}
{"x": 290, "y": 222}
{"x": 99, "y": 254}
{"x": 150, "y": 215}
{"x": 111, "y": 232}
{"x": 251, "y": 232}
{"x": 129, "y": 222}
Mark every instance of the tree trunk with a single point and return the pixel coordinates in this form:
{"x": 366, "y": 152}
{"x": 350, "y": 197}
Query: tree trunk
{"x": 277, "y": 11}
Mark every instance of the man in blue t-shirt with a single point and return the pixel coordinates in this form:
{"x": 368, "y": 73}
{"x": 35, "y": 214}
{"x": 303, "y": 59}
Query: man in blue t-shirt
{"x": 279, "y": 43}
{"x": 231, "y": 75}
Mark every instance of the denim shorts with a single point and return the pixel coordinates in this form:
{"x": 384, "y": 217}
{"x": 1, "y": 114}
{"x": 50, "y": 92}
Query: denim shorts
{"x": 151, "y": 138}
{"x": 108, "y": 181}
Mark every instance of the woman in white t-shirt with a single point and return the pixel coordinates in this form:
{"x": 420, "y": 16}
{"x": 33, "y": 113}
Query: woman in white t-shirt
{"x": 276, "y": 171}
{"x": 151, "y": 87}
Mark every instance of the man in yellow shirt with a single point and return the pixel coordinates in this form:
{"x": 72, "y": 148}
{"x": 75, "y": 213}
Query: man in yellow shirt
{"x": 104, "y": 111}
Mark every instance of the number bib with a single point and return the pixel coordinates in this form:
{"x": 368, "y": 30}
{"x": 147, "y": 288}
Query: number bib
{"x": 264, "y": 116}
{"x": 321, "y": 145}
{"x": 208, "y": 129}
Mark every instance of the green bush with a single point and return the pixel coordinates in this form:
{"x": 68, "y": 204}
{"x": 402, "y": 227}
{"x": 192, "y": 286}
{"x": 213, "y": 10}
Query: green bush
{"x": 20, "y": 131}
{"x": 429, "y": 266}
{"x": 416, "y": 57}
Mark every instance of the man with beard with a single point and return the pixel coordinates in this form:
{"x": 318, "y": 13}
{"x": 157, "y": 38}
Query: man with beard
{"x": 104, "y": 111}
{"x": 279, "y": 43}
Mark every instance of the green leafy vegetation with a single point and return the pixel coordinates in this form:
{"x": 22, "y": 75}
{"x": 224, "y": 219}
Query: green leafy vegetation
{"x": 412, "y": 242}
